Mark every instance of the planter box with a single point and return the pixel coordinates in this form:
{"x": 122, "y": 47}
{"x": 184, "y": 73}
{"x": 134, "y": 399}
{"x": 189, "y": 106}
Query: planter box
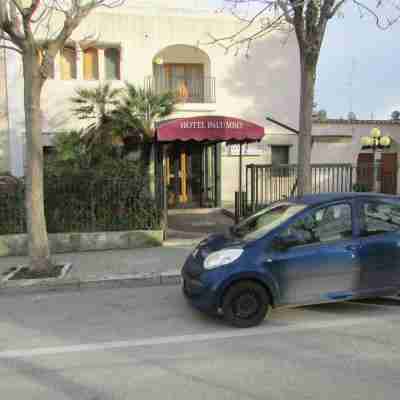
{"x": 16, "y": 245}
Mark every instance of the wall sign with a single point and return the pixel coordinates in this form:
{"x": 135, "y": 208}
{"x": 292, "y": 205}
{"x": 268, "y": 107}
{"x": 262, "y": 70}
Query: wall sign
{"x": 209, "y": 128}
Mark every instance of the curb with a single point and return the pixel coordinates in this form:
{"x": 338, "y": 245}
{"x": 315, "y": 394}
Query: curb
{"x": 182, "y": 242}
{"x": 134, "y": 281}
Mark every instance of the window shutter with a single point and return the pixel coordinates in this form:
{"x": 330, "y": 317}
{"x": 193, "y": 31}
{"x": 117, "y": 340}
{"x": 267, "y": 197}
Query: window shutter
{"x": 91, "y": 64}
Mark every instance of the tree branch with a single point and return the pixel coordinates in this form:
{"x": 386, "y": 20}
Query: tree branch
{"x": 375, "y": 15}
{"x": 283, "y": 5}
{"x": 28, "y": 12}
{"x": 4, "y": 46}
{"x": 248, "y": 24}
{"x": 18, "y": 5}
{"x": 336, "y": 8}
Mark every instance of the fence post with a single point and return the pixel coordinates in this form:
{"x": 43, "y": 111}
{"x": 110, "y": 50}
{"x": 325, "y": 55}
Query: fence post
{"x": 253, "y": 189}
{"x": 351, "y": 179}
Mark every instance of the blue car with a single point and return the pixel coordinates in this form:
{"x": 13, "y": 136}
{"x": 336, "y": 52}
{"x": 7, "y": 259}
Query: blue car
{"x": 315, "y": 249}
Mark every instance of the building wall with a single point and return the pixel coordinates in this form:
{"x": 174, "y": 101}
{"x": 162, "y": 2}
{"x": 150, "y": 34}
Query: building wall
{"x": 4, "y": 141}
{"x": 338, "y": 141}
{"x": 246, "y": 87}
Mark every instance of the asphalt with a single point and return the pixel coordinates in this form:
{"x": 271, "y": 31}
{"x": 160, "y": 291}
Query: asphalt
{"x": 128, "y": 344}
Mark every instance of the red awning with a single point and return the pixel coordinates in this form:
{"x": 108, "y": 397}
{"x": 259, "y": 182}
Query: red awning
{"x": 209, "y": 128}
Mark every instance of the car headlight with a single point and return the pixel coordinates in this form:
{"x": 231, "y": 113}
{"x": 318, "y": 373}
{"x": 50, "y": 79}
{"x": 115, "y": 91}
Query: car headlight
{"x": 222, "y": 257}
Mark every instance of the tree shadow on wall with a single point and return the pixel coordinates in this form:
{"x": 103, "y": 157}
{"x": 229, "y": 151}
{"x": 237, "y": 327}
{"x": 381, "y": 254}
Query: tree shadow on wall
{"x": 269, "y": 78}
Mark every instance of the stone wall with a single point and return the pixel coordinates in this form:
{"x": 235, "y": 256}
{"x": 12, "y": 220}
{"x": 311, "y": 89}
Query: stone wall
{"x": 16, "y": 245}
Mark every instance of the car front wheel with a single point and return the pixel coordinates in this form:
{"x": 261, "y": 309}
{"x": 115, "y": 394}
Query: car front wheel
{"x": 246, "y": 304}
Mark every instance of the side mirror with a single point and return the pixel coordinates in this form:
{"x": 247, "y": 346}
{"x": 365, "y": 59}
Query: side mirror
{"x": 285, "y": 243}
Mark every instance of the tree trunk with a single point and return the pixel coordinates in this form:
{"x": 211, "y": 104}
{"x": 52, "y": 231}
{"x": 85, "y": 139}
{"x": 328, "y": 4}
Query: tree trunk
{"x": 38, "y": 245}
{"x": 308, "y": 70}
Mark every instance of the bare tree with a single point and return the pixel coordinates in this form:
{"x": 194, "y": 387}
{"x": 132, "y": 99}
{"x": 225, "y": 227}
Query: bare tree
{"x": 38, "y": 30}
{"x": 308, "y": 19}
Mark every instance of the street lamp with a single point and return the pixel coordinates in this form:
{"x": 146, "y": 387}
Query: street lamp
{"x": 375, "y": 142}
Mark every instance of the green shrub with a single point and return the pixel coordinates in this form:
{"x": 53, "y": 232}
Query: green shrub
{"x": 360, "y": 187}
{"x": 112, "y": 197}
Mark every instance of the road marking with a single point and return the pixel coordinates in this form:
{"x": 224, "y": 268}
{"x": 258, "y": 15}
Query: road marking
{"x": 192, "y": 338}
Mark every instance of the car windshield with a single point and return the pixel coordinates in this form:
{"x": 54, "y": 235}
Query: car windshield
{"x": 266, "y": 220}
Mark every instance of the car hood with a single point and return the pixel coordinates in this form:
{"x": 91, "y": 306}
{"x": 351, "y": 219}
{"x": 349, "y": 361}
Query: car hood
{"x": 219, "y": 241}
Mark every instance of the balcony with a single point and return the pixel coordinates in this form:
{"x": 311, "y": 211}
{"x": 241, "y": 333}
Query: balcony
{"x": 189, "y": 90}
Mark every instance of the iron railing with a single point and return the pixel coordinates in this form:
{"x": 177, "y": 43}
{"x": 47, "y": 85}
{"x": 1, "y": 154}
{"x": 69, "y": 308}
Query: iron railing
{"x": 265, "y": 184}
{"x": 188, "y": 90}
{"x": 81, "y": 205}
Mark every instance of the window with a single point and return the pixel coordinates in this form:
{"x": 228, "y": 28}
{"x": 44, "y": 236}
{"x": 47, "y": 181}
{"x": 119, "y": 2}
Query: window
{"x": 279, "y": 157}
{"x": 91, "y": 64}
{"x": 185, "y": 79}
{"x": 112, "y": 63}
{"x": 324, "y": 225}
{"x": 265, "y": 220}
{"x": 379, "y": 218}
{"x": 68, "y": 63}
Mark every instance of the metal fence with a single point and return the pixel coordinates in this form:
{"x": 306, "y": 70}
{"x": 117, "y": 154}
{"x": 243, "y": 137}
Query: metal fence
{"x": 265, "y": 184}
{"x": 81, "y": 205}
{"x": 190, "y": 90}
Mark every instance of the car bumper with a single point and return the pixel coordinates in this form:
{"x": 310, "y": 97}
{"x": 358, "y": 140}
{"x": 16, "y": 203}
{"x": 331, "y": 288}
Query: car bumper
{"x": 197, "y": 290}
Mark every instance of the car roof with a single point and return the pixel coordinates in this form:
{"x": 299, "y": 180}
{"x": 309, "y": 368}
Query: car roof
{"x": 314, "y": 199}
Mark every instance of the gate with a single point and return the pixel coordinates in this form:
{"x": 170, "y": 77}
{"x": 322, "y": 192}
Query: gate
{"x": 265, "y": 184}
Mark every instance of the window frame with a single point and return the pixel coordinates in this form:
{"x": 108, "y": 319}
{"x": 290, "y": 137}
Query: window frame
{"x": 119, "y": 69}
{"x": 277, "y": 168}
{"x": 360, "y": 212}
{"x": 313, "y": 210}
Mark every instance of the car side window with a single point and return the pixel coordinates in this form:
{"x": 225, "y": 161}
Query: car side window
{"x": 379, "y": 218}
{"x": 323, "y": 225}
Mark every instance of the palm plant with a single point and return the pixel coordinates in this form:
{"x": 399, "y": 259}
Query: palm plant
{"x": 96, "y": 106}
{"x": 138, "y": 112}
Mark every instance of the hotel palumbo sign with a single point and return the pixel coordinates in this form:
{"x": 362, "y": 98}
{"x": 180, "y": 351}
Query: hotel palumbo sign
{"x": 210, "y": 128}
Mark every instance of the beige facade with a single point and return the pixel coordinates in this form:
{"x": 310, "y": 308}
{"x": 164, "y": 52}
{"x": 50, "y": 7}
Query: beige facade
{"x": 339, "y": 141}
{"x": 173, "y": 32}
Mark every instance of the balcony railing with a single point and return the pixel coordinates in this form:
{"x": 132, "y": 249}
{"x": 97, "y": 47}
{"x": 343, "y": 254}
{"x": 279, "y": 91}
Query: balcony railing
{"x": 189, "y": 90}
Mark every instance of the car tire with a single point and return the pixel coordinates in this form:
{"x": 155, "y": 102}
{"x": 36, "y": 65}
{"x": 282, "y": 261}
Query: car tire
{"x": 246, "y": 304}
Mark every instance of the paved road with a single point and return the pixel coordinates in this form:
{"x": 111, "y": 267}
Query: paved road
{"x": 148, "y": 344}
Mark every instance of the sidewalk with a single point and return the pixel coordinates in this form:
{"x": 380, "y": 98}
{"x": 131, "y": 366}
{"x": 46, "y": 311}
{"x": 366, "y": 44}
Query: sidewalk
{"x": 114, "y": 268}
{"x": 128, "y": 268}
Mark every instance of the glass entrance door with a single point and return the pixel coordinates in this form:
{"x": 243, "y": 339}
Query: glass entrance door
{"x": 191, "y": 175}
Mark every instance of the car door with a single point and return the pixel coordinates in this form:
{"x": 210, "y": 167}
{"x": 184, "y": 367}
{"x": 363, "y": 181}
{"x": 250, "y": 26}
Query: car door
{"x": 379, "y": 253}
{"x": 322, "y": 264}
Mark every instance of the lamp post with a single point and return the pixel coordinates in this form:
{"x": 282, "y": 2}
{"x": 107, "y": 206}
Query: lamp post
{"x": 375, "y": 142}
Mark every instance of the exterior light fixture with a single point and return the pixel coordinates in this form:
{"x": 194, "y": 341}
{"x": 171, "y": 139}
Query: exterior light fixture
{"x": 375, "y": 142}
{"x": 159, "y": 61}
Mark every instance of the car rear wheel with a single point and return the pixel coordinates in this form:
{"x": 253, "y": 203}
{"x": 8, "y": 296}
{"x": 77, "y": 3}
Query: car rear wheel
{"x": 246, "y": 304}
